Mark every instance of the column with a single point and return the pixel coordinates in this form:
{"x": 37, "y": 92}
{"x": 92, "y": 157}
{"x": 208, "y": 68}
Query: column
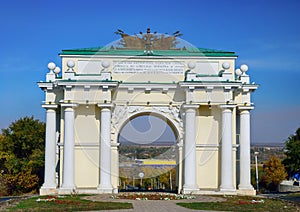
{"x": 190, "y": 181}
{"x": 105, "y": 185}
{"x": 245, "y": 177}
{"x": 49, "y": 185}
{"x": 115, "y": 166}
{"x": 227, "y": 157}
{"x": 68, "y": 184}
{"x": 179, "y": 167}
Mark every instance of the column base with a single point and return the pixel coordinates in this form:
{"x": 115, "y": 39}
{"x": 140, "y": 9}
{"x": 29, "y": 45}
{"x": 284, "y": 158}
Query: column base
{"x": 246, "y": 190}
{"x": 67, "y": 190}
{"x": 246, "y": 187}
{"x": 48, "y": 190}
{"x": 227, "y": 190}
{"x": 106, "y": 189}
{"x": 188, "y": 189}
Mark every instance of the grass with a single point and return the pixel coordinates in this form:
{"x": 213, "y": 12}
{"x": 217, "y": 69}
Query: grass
{"x": 242, "y": 203}
{"x": 66, "y": 203}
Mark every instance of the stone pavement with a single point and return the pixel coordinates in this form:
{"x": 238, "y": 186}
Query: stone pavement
{"x": 155, "y": 205}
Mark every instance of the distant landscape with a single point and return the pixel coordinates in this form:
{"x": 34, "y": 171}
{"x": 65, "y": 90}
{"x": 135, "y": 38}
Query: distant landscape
{"x": 132, "y": 156}
{"x": 266, "y": 150}
{"x": 130, "y": 151}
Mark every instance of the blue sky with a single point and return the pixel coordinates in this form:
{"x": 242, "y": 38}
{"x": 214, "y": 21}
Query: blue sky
{"x": 265, "y": 35}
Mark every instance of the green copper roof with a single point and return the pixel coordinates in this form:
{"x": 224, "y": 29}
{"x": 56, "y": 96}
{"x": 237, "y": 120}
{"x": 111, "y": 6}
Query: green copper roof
{"x": 128, "y": 52}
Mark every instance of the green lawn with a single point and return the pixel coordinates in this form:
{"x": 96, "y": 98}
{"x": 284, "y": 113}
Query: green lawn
{"x": 238, "y": 203}
{"x": 67, "y": 203}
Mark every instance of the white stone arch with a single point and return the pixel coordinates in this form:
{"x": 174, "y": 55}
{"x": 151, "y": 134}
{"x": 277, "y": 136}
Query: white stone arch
{"x": 171, "y": 114}
{"x": 173, "y": 119}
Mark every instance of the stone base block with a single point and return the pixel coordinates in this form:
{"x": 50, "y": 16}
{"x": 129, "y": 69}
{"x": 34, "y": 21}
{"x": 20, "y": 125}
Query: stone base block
{"x": 228, "y": 191}
{"x": 246, "y": 192}
{"x": 67, "y": 190}
{"x": 48, "y": 191}
{"x": 105, "y": 189}
{"x": 190, "y": 189}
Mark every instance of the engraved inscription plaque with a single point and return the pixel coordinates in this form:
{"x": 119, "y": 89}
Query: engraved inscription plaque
{"x": 148, "y": 67}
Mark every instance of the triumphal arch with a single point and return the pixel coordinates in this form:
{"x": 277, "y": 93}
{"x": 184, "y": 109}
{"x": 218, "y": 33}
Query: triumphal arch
{"x": 200, "y": 93}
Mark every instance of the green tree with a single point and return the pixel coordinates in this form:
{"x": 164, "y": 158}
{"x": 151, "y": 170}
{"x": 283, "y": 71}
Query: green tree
{"x": 274, "y": 173}
{"x": 22, "y": 155}
{"x": 292, "y": 152}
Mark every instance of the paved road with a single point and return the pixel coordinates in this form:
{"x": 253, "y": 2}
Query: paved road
{"x": 283, "y": 196}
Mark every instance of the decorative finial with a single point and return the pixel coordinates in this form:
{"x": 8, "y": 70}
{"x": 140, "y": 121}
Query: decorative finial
{"x": 105, "y": 64}
{"x": 191, "y": 65}
{"x": 70, "y": 65}
{"x": 226, "y": 65}
{"x": 238, "y": 72}
{"x": 244, "y": 68}
{"x": 51, "y": 66}
{"x": 56, "y": 70}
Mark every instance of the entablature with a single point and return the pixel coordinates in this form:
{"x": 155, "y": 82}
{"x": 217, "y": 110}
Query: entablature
{"x": 249, "y": 87}
{"x": 148, "y": 86}
{"x": 45, "y": 85}
{"x": 88, "y": 83}
{"x": 209, "y": 85}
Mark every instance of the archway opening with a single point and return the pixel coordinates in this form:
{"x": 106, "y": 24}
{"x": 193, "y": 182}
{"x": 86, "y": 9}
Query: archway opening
{"x": 148, "y": 154}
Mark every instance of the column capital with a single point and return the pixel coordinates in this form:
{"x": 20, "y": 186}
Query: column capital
{"x": 245, "y": 107}
{"x": 224, "y": 107}
{"x": 190, "y": 106}
{"x": 105, "y": 105}
{"x": 72, "y": 105}
{"x": 49, "y": 106}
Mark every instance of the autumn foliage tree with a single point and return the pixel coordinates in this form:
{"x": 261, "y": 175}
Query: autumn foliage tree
{"x": 22, "y": 155}
{"x": 274, "y": 173}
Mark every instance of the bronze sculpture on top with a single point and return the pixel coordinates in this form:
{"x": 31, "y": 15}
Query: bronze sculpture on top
{"x": 148, "y": 41}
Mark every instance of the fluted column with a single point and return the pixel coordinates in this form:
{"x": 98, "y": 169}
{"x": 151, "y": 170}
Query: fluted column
{"x": 190, "y": 180}
{"x": 49, "y": 185}
{"x": 68, "y": 183}
{"x": 105, "y": 185}
{"x": 227, "y": 157}
{"x": 245, "y": 177}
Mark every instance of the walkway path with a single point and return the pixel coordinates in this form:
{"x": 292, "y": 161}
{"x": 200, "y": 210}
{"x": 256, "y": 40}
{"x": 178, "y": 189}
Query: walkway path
{"x": 155, "y": 205}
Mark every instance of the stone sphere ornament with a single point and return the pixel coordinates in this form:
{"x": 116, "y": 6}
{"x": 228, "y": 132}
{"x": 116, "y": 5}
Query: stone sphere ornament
{"x": 71, "y": 64}
{"x": 226, "y": 65}
{"x": 238, "y": 72}
{"x": 105, "y": 64}
{"x": 57, "y": 70}
{"x": 244, "y": 68}
{"x": 51, "y": 66}
{"x": 191, "y": 65}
